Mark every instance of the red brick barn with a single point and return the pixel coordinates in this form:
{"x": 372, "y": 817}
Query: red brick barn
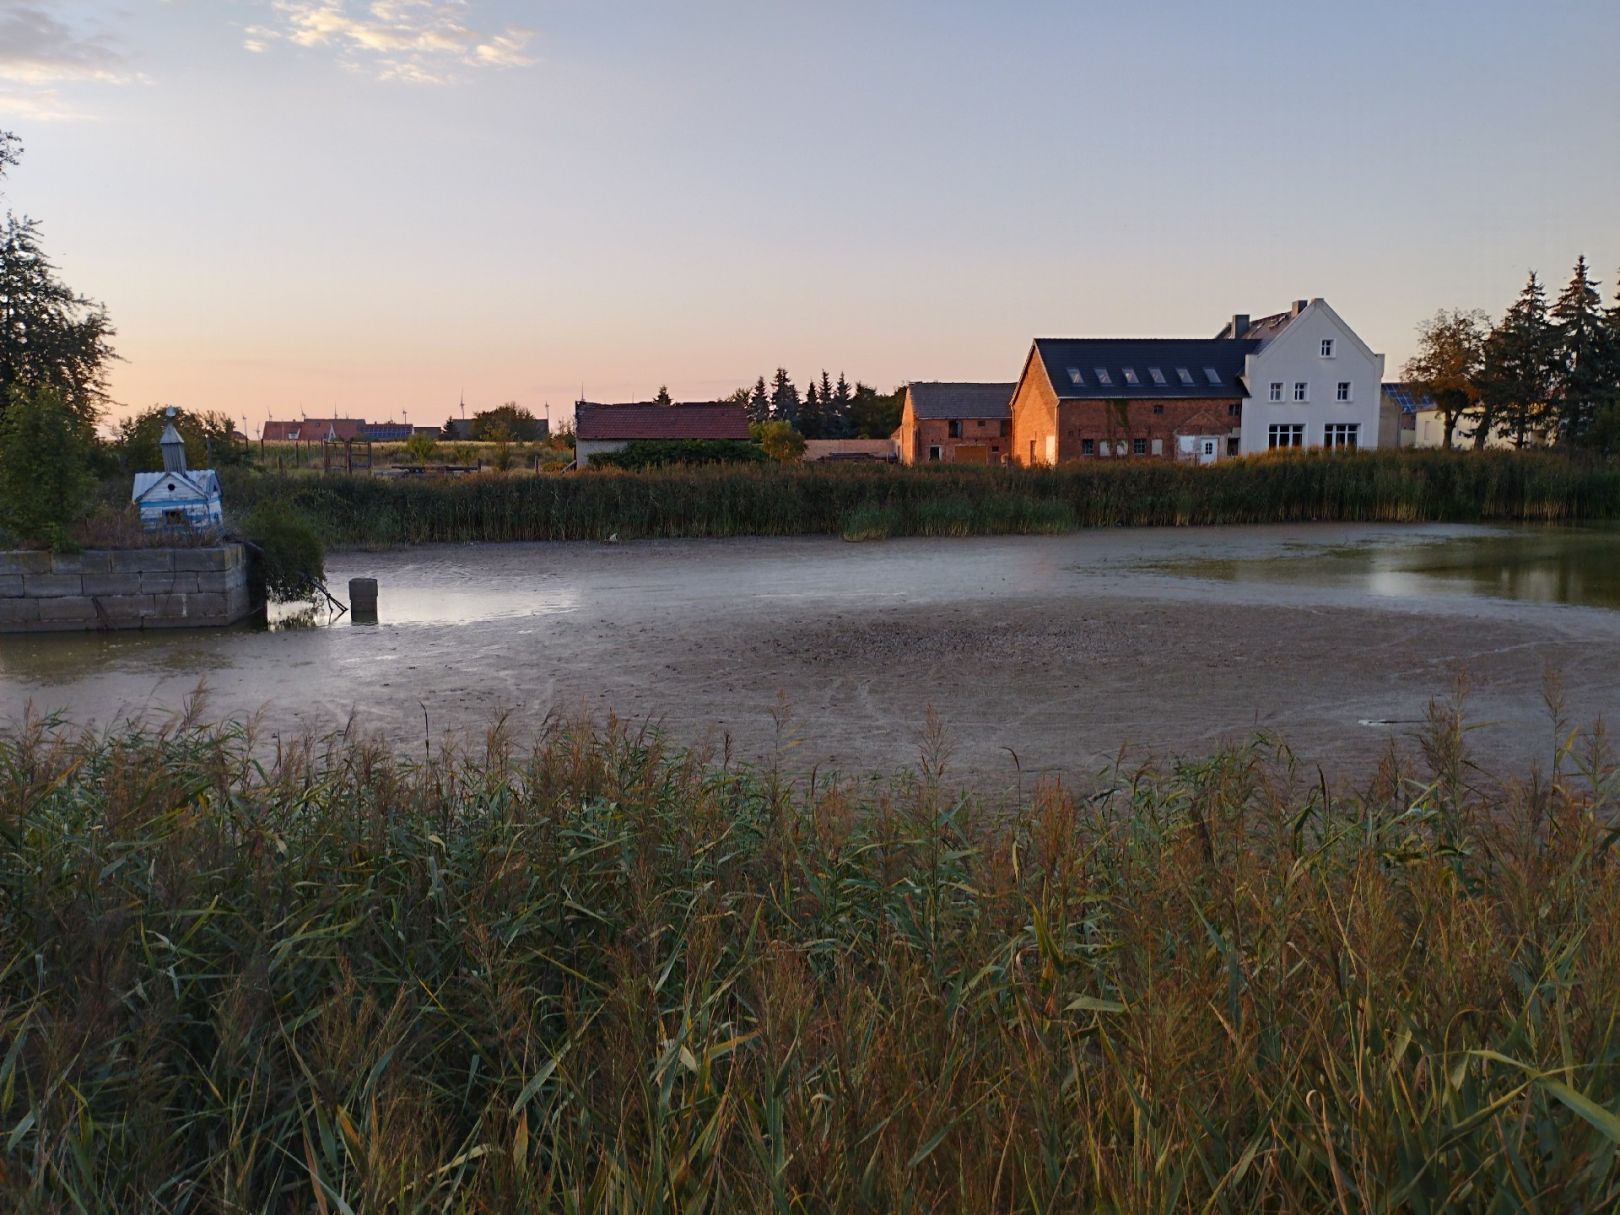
{"x": 956, "y": 423}
{"x": 1107, "y": 398}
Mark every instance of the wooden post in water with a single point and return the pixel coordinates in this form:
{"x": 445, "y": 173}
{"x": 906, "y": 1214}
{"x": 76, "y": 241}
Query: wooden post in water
{"x": 363, "y": 600}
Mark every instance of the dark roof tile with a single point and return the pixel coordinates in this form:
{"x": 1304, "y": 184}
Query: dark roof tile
{"x": 936, "y": 400}
{"x": 645, "y": 420}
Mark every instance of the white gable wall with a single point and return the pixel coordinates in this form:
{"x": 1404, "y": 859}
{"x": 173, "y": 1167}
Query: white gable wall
{"x": 1296, "y": 356}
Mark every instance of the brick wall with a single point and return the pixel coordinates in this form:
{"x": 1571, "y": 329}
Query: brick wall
{"x": 144, "y": 588}
{"x": 1034, "y": 414}
{"x": 977, "y": 434}
{"x": 1161, "y": 421}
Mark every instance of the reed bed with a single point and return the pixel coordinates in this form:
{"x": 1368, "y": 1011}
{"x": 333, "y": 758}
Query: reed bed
{"x": 595, "y": 973}
{"x": 871, "y": 503}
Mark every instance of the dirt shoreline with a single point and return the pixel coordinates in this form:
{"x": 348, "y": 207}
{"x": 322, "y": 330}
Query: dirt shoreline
{"x": 1041, "y": 656}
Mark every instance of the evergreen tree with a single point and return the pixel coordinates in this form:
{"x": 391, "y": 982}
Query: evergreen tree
{"x": 810, "y": 419}
{"x": 663, "y": 396}
{"x": 843, "y": 425}
{"x": 875, "y": 415}
{"x": 759, "y": 404}
{"x": 784, "y": 398}
{"x": 50, "y": 337}
{"x": 1516, "y": 379}
{"x": 1447, "y": 363}
{"x": 1582, "y": 364}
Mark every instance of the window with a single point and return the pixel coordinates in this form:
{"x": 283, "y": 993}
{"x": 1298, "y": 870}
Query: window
{"x": 1158, "y": 407}
{"x": 1235, "y": 409}
{"x": 954, "y": 429}
{"x": 1301, "y": 388}
{"x": 1156, "y": 375}
{"x": 1103, "y": 377}
{"x": 1288, "y": 434}
{"x": 1139, "y": 447}
{"x": 1130, "y": 376}
{"x": 1341, "y": 434}
{"x": 1184, "y": 375}
{"x": 1276, "y": 390}
{"x": 1075, "y": 377}
{"x": 1158, "y": 447}
{"x": 1327, "y": 348}
{"x": 1006, "y": 429}
{"x": 1344, "y": 391}
{"x": 1088, "y": 447}
{"x": 1032, "y": 451}
{"x": 933, "y": 453}
{"x": 1213, "y": 376}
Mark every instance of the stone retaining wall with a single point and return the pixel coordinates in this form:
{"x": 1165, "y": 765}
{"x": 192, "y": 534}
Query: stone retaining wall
{"x": 140, "y": 588}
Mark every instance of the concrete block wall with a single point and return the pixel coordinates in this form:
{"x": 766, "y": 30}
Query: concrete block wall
{"x": 144, "y": 588}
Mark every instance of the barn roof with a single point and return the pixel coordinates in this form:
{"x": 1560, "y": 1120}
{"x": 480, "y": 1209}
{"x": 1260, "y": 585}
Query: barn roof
{"x": 646, "y": 420}
{"x": 1115, "y": 369}
{"x": 937, "y": 400}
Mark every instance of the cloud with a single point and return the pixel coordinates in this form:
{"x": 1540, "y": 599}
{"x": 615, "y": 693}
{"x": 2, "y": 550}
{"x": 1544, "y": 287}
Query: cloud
{"x": 413, "y": 41}
{"x": 37, "y": 48}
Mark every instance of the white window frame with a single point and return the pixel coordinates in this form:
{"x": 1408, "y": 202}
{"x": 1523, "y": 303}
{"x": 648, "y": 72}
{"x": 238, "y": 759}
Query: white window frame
{"x": 1327, "y": 348}
{"x": 1276, "y": 390}
{"x": 1294, "y": 432}
{"x": 935, "y": 453}
{"x": 1345, "y": 436}
{"x": 1302, "y": 390}
{"x": 1342, "y": 393}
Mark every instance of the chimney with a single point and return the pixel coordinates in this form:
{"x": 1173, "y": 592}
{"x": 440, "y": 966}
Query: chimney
{"x": 1240, "y": 324}
{"x": 174, "y": 447}
{"x": 1300, "y": 306}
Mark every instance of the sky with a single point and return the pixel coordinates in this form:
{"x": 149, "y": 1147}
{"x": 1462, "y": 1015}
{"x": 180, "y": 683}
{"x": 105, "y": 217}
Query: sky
{"x": 381, "y": 208}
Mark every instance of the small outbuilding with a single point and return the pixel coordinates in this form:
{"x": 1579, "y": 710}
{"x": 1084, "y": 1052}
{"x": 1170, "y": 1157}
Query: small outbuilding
{"x": 178, "y": 497}
{"x": 600, "y": 429}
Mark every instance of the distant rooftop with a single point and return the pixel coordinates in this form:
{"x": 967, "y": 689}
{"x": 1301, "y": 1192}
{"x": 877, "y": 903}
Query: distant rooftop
{"x": 649, "y": 420}
{"x": 940, "y": 400}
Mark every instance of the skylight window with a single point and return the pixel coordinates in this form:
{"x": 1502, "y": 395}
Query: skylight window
{"x": 1103, "y": 377}
{"x": 1130, "y": 376}
{"x": 1213, "y": 376}
{"x": 1075, "y": 377}
{"x": 1184, "y": 374}
{"x": 1157, "y": 374}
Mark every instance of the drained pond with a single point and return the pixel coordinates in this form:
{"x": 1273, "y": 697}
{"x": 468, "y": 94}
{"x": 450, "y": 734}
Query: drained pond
{"x": 1039, "y": 654}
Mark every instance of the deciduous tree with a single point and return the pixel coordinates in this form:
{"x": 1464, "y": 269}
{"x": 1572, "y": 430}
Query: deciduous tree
{"x": 1447, "y": 364}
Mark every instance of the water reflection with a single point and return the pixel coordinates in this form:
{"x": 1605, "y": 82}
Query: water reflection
{"x": 1535, "y": 565}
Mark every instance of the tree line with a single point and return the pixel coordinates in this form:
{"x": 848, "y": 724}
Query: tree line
{"x": 828, "y": 408}
{"x": 1542, "y": 374}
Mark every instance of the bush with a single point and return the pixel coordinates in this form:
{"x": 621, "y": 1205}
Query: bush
{"x": 647, "y": 453}
{"x": 289, "y": 560}
{"x": 46, "y": 485}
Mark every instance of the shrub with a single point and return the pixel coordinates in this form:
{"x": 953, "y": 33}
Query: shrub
{"x": 647, "y": 453}
{"x": 289, "y": 558}
{"x": 46, "y": 485}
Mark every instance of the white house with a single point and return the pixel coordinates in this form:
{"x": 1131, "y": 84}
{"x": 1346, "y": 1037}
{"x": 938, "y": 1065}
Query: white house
{"x": 1311, "y": 381}
{"x": 178, "y": 496}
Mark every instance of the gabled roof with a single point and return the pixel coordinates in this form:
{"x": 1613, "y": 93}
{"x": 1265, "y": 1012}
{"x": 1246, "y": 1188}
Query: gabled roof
{"x": 937, "y": 400}
{"x": 194, "y": 482}
{"x": 1410, "y": 397}
{"x": 646, "y": 420}
{"x": 1095, "y": 369}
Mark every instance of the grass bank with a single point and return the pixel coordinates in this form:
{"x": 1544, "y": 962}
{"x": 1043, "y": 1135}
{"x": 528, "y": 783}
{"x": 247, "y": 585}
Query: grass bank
{"x": 870, "y": 503}
{"x": 600, "y": 975}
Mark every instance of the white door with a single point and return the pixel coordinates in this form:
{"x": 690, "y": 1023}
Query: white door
{"x": 1206, "y": 451}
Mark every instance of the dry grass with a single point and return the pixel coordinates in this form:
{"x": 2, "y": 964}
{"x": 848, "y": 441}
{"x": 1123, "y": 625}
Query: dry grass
{"x": 601, "y": 975}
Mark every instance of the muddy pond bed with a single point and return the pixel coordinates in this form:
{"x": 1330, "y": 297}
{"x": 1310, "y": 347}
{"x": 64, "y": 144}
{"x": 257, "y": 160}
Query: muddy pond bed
{"x": 1040, "y": 654}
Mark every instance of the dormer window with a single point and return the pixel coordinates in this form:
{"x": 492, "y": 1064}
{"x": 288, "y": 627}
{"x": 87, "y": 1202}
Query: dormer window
{"x": 1327, "y": 348}
{"x": 1156, "y": 374}
{"x": 1103, "y": 377}
{"x": 1130, "y": 376}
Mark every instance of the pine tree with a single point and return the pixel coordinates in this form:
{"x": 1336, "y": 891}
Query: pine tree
{"x": 810, "y": 417}
{"x": 663, "y": 396}
{"x": 1516, "y": 380}
{"x": 784, "y": 398}
{"x": 842, "y": 395}
{"x": 759, "y": 404}
{"x": 1582, "y": 357}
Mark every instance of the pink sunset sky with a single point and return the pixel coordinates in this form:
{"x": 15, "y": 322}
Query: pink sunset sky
{"x": 373, "y": 208}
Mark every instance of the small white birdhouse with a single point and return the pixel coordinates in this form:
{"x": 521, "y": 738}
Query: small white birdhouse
{"x": 178, "y": 497}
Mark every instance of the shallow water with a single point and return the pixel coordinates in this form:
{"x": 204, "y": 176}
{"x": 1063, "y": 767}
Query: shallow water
{"x": 1054, "y": 650}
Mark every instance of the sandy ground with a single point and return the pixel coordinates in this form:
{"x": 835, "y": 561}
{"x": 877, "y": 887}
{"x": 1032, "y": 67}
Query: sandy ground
{"x": 1057, "y": 650}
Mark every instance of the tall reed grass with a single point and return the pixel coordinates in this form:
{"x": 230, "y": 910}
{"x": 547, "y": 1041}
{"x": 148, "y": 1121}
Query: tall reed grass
{"x": 599, "y": 974}
{"x": 885, "y": 501}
